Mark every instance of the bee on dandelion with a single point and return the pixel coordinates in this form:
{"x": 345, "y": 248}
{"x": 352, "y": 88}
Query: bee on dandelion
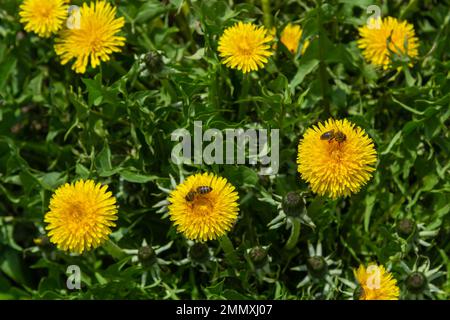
{"x": 381, "y": 39}
{"x": 336, "y": 158}
{"x": 290, "y": 38}
{"x": 245, "y": 47}
{"x": 375, "y": 283}
{"x": 43, "y": 17}
{"x": 203, "y": 207}
{"x": 81, "y": 216}
{"x": 91, "y": 36}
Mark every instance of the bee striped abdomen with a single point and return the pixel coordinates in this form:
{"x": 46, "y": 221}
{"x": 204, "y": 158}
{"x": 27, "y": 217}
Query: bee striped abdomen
{"x": 204, "y": 189}
{"x": 340, "y": 137}
{"x": 190, "y": 196}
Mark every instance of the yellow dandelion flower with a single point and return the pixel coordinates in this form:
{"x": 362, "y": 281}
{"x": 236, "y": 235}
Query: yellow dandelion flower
{"x": 206, "y": 213}
{"x": 382, "y": 37}
{"x": 43, "y": 17}
{"x": 94, "y": 39}
{"x": 81, "y": 216}
{"x": 376, "y": 283}
{"x": 290, "y": 37}
{"x": 245, "y": 47}
{"x": 336, "y": 158}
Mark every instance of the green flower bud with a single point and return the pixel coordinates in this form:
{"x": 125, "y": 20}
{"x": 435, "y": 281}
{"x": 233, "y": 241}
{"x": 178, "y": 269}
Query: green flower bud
{"x": 293, "y": 203}
{"x": 406, "y": 227}
{"x": 153, "y": 61}
{"x": 146, "y": 256}
{"x": 416, "y": 282}
{"x": 317, "y": 266}
{"x": 199, "y": 252}
{"x": 259, "y": 256}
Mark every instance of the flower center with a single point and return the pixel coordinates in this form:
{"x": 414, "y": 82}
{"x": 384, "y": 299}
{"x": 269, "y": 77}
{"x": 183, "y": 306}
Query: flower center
{"x": 96, "y": 43}
{"x": 245, "y": 47}
{"x": 203, "y": 206}
{"x": 45, "y": 12}
{"x": 77, "y": 212}
{"x": 335, "y": 150}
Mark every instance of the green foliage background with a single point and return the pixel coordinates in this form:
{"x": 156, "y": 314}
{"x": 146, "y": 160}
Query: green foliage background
{"x": 113, "y": 124}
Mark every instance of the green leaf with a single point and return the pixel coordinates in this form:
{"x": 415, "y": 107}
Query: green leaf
{"x": 304, "y": 69}
{"x": 131, "y": 176}
{"x": 11, "y": 265}
{"x": 369, "y": 202}
{"x": 95, "y": 91}
{"x": 6, "y": 68}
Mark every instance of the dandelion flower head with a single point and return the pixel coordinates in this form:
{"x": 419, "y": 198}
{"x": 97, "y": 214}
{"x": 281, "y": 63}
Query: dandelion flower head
{"x": 336, "y": 158}
{"x": 81, "y": 216}
{"x": 245, "y": 47}
{"x": 206, "y": 213}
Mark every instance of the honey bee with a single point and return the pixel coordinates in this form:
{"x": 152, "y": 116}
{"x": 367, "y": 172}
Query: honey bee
{"x": 339, "y": 136}
{"x": 199, "y": 191}
{"x": 204, "y": 189}
{"x": 190, "y": 196}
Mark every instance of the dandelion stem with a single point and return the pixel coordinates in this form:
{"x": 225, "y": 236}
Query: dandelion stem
{"x": 322, "y": 66}
{"x": 295, "y": 233}
{"x": 230, "y": 253}
{"x": 245, "y": 85}
{"x": 267, "y": 13}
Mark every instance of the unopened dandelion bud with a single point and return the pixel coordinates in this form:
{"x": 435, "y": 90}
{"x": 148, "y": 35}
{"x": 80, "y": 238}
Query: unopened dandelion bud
{"x": 259, "y": 256}
{"x": 416, "y": 282}
{"x": 317, "y": 266}
{"x": 199, "y": 253}
{"x": 147, "y": 256}
{"x": 406, "y": 227}
{"x": 154, "y": 62}
{"x": 293, "y": 203}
